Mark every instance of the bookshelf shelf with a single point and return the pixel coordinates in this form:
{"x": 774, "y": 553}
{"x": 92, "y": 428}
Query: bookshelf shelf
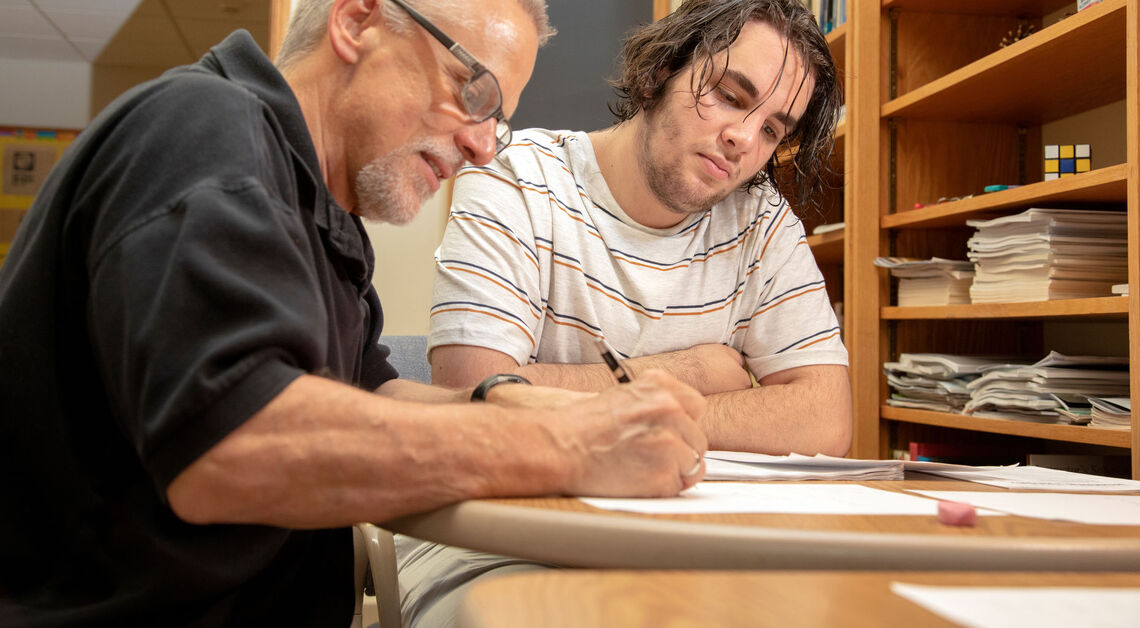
{"x": 827, "y": 247}
{"x": 1081, "y": 56}
{"x": 1049, "y": 431}
{"x": 1026, "y": 8}
{"x": 1103, "y": 185}
{"x": 1101, "y": 307}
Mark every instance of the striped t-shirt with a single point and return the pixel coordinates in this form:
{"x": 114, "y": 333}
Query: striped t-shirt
{"x": 538, "y": 260}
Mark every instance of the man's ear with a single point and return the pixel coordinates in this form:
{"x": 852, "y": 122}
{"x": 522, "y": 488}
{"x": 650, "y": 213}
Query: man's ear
{"x": 348, "y": 20}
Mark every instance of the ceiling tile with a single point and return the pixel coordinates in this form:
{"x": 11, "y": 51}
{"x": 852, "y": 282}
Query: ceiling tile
{"x": 107, "y": 7}
{"x": 24, "y": 20}
{"x": 90, "y": 48}
{"x": 86, "y": 25}
{"x": 53, "y": 49}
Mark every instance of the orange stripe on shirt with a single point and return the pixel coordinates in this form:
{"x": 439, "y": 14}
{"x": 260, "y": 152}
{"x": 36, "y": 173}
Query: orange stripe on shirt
{"x": 817, "y": 340}
{"x": 474, "y": 311}
{"x": 505, "y": 287}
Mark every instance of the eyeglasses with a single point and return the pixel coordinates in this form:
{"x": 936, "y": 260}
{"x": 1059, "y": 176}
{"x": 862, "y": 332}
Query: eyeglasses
{"x": 481, "y": 96}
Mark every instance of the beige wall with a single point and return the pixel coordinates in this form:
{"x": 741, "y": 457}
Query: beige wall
{"x": 405, "y": 265}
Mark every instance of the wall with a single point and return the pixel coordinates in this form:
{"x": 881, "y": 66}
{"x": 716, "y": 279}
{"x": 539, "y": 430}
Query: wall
{"x": 38, "y": 93}
{"x": 568, "y": 89}
{"x": 405, "y": 266}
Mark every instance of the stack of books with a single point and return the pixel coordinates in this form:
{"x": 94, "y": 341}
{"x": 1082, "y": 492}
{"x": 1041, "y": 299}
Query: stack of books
{"x": 1047, "y": 254}
{"x": 934, "y": 381}
{"x": 934, "y": 281}
{"x": 1048, "y": 390}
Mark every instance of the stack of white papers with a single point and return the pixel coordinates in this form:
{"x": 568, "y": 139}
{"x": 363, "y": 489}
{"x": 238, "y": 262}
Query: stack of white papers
{"x": 1111, "y": 412}
{"x": 933, "y": 381}
{"x": 739, "y": 465}
{"x": 828, "y": 228}
{"x": 1047, "y": 254}
{"x": 1040, "y": 391}
{"x": 934, "y": 281}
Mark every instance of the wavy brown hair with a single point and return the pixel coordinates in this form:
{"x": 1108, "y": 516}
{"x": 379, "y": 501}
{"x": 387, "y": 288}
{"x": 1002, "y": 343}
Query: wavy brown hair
{"x": 698, "y": 30}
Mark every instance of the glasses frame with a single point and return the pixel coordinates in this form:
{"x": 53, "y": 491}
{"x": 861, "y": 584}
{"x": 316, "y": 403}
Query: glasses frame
{"x": 503, "y": 131}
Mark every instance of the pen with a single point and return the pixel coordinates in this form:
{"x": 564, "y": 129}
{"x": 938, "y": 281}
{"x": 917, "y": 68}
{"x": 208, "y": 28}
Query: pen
{"x": 623, "y": 375}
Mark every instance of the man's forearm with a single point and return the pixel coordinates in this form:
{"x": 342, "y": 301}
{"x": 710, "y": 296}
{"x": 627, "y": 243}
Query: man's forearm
{"x": 324, "y": 454}
{"x": 809, "y": 415}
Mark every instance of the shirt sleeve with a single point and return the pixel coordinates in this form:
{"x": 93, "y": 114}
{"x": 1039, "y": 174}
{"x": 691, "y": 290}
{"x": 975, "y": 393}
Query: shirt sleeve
{"x": 487, "y": 289}
{"x": 793, "y": 324}
{"x": 195, "y": 334}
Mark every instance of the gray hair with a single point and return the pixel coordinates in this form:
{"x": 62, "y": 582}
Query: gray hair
{"x": 309, "y": 22}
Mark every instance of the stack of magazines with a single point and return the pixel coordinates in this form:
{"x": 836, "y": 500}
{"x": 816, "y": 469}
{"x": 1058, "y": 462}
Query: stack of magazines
{"x": 1047, "y": 254}
{"x": 934, "y": 381}
{"x": 1048, "y": 391}
{"x": 933, "y": 281}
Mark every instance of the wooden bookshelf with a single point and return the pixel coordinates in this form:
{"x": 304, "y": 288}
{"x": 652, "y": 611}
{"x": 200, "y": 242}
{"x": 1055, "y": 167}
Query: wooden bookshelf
{"x": 1028, "y": 429}
{"x": 938, "y": 108}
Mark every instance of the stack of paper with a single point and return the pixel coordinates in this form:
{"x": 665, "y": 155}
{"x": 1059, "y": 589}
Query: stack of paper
{"x": 1111, "y": 412}
{"x": 934, "y": 281}
{"x": 933, "y": 381}
{"x": 1046, "y": 254}
{"x": 828, "y": 228}
{"x": 740, "y": 465}
{"x": 1036, "y": 392}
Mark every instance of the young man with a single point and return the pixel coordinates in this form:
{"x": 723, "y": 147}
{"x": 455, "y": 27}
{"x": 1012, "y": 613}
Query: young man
{"x": 189, "y": 347}
{"x": 663, "y": 235}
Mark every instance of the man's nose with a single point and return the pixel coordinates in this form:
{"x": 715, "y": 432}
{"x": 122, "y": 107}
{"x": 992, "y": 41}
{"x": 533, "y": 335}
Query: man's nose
{"x": 477, "y": 142}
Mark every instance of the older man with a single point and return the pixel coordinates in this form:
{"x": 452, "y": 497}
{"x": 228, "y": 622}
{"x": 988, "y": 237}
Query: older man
{"x": 190, "y": 334}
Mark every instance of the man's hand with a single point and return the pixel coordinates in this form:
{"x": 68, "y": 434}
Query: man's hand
{"x": 638, "y": 439}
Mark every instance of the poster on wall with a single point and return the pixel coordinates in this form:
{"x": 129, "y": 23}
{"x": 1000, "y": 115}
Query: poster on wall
{"x": 26, "y": 158}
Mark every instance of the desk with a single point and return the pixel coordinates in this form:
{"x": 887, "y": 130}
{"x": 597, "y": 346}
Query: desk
{"x": 648, "y": 599}
{"x": 565, "y": 531}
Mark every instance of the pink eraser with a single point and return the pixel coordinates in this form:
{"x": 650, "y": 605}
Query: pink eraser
{"x": 957, "y": 514}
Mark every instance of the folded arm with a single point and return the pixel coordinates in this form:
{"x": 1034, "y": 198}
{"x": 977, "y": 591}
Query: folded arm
{"x": 806, "y": 410}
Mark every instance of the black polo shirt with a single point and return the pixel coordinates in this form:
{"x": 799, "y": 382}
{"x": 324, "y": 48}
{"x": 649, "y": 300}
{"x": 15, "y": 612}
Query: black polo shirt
{"x": 183, "y": 263}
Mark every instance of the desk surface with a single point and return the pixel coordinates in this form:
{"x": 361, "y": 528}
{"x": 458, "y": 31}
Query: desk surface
{"x": 680, "y": 599}
{"x": 565, "y": 531}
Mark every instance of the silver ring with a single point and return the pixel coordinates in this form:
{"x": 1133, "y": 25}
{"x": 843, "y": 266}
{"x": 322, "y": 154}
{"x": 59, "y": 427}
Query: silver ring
{"x": 696, "y": 467}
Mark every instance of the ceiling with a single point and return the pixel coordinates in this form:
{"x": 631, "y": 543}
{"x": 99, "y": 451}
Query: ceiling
{"x": 143, "y": 33}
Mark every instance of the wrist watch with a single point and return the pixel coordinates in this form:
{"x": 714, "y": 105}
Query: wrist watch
{"x": 485, "y": 386}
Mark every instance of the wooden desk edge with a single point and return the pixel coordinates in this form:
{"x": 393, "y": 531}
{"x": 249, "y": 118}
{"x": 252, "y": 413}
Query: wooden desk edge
{"x": 604, "y": 541}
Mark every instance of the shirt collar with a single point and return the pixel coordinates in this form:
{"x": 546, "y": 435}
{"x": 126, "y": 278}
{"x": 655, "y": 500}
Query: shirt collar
{"x": 239, "y": 59}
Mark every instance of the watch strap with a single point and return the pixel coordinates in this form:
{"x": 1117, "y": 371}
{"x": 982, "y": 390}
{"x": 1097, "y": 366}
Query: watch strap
{"x": 485, "y": 386}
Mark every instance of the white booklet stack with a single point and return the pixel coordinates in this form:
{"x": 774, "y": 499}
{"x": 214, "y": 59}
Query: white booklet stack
{"x": 1047, "y": 254}
{"x": 933, "y": 281}
{"x": 934, "y": 381}
{"x": 1040, "y": 391}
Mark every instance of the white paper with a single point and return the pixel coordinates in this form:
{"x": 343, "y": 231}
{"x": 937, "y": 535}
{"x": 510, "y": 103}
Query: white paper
{"x": 1092, "y": 509}
{"x": 741, "y": 465}
{"x": 743, "y": 497}
{"x": 1040, "y": 607}
{"x": 1040, "y": 479}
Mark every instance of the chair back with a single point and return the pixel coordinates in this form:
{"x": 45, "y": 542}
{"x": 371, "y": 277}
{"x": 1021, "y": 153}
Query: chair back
{"x": 409, "y": 356}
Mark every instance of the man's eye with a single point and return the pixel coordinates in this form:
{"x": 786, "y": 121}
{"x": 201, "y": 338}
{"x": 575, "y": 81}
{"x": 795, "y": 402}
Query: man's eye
{"x": 728, "y": 96}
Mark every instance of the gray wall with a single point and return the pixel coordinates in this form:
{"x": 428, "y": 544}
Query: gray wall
{"x": 568, "y": 89}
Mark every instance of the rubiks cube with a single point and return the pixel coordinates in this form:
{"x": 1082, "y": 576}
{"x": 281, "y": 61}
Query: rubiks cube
{"x": 1065, "y": 160}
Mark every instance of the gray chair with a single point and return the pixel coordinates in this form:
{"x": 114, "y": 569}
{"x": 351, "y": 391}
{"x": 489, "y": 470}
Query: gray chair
{"x": 409, "y": 356}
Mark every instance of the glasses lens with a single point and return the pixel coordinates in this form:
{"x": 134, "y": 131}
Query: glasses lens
{"x": 481, "y": 96}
